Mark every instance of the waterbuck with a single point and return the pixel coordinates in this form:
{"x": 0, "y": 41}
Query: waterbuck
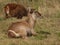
{"x": 15, "y": 10}
{"x": 24, "y": 28}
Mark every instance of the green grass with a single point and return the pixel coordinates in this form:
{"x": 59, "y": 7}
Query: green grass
{"x": 48, "y": 27}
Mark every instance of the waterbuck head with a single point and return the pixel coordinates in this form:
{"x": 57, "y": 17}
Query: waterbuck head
{"x": 34, "y": 14}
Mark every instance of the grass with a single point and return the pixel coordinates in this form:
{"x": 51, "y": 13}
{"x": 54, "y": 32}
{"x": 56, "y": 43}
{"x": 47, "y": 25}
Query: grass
{"x": 48, "y": 27}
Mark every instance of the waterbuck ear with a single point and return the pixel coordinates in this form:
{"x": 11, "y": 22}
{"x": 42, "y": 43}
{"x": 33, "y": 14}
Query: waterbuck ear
{"x": 39, "y": 14}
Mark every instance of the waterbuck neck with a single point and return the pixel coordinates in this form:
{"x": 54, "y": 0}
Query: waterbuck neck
{"x": 32, "y": 20}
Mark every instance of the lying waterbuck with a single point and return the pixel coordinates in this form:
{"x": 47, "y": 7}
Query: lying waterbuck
{"x": 15, "y": 10}
{"x": 24, "y": 28}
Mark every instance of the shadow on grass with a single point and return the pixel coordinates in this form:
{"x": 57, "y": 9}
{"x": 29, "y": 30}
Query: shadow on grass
{"x": 42, "y": 35}
{"x": 44, "y": 32}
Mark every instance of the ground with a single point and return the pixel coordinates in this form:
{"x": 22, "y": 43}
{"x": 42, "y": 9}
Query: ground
{"x": 47, "y": 27}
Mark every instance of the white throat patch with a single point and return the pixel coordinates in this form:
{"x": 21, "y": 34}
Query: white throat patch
{"x": 34, "y": 16}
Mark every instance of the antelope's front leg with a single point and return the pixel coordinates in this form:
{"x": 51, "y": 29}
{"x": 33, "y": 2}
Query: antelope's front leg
{"x": 33, "y": 32}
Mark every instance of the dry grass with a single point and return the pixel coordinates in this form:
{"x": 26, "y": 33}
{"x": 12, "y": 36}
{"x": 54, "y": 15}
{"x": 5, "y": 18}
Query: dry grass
{"x": 48, "y": 27}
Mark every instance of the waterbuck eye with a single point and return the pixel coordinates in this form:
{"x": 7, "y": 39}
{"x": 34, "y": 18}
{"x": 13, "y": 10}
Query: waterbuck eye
{"x": 32, "y": 10}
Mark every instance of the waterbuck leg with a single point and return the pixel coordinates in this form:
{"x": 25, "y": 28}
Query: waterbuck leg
{"x": 13, "y": 33}
{"x": 33, "y": 32}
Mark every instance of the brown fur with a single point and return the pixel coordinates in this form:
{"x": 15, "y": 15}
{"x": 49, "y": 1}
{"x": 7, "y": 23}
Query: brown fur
{"x": 24, "y": 28}
{"x": 15, "y": 10}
